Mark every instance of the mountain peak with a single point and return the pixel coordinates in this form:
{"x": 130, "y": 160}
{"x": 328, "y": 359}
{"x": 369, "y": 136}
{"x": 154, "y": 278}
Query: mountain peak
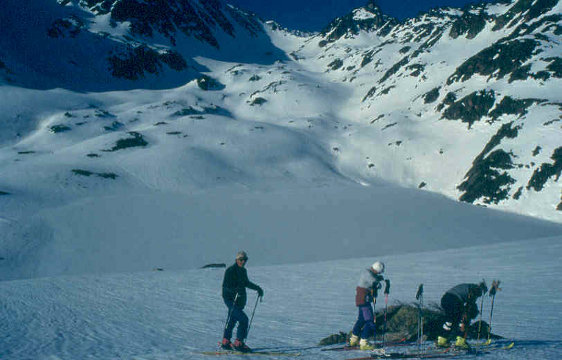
{"x": 371, "y": 10}
{"x": 367, "y": 18}
{"x": 373, "y": 6}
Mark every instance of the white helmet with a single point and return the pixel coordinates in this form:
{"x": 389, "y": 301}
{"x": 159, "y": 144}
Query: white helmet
{"x": 378, "y": 267}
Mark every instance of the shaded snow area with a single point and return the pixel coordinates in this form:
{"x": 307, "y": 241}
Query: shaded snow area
{"x": 178, "y": 314}
{"x": 130, "y": 181}
{"x": 139, "y": 232}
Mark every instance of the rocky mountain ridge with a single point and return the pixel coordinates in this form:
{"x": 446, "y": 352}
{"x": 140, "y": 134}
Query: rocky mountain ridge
{"x": 503, "y": 85}
{"x": 104, "y": 45}
{"x": 462, "y": 102}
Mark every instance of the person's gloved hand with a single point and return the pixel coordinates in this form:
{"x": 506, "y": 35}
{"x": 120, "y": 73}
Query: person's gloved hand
{"x": 260, "y": 292}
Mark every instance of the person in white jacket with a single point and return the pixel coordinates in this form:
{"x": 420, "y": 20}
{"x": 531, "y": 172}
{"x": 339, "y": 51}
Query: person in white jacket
{"x": 365, "y": 295}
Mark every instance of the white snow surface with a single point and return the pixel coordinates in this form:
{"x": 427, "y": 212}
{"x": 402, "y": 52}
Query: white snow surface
{"x": 312, "y": 182}
{"x": 285, "y": 155}
{"x": 178, "y": 314}
{"x": 284, "y": 160}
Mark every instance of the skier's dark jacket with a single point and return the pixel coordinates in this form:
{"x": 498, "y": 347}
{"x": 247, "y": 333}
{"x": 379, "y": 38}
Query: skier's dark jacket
{"x": 459, "y": 302}
{"x": 236, "y": 281}
{"x": 462, "y": 292}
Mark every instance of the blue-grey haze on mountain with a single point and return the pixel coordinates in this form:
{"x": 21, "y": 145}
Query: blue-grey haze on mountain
{"x": 314, "y": 15}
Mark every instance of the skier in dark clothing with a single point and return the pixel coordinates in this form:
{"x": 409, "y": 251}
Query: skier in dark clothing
{"x": 234, "y": 287}
{"x": 459, "y": 304}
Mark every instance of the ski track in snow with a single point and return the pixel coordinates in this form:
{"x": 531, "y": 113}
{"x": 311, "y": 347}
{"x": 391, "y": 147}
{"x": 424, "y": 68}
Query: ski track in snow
{"x": 176, "y": 314}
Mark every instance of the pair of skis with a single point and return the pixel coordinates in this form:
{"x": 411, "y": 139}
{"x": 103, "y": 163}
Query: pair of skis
{"x": 435, "y": 353}
{"x": 252, "y": 353}
{"x": 293, "y": 351}
{"x": 432, "y": 353}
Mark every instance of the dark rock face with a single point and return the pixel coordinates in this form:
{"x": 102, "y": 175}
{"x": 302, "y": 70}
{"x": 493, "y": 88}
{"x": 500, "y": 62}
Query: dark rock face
{"x": 173, "y": 59}
{"x": 258, "y": 101}
{"x": 555, "y": 66}
{"x": 133, "y": 64}
{"x": 370, "y": 93}
{"x": 547, "y": 171}
{"x": 498, "y": 60}
{"x": 59, "y": 128}
{"x": 518, "y": 193}
{"x": 193, "y": 18}
{"x": 69, "y": 27}
{"x": 190, "y": 111}
{"x": 207, "y": 83}
{"x": 469, "y": 24}
{"x": 211, "y": 266}
{"x": 510, "y": 106}
{"x": 417, "y": 69}
{"x": 336, "y": 64}
{"x": 526, "y": 9}
{"x": 141, "y": 47}
{"x": 471, "y": 108}
{"x": 404, "y": 61}
{"x": 485, "y": 180}
{"x": 506, "y": 131}
{"x": 431, "y": 96}
{"x": 88, "y": 173}
{"x": 137, "y": 140}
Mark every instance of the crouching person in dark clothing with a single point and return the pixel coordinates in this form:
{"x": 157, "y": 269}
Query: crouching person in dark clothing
{"x": 459, "y": 304}
{"x": 234, "y": 287}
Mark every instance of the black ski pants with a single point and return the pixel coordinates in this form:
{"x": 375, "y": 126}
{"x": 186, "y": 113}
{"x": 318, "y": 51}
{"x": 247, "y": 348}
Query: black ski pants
{"x": 454, "y": 311}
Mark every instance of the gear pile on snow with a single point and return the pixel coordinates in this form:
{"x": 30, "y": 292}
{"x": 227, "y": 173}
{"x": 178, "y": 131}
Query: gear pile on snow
{"x": 402, "y": 323}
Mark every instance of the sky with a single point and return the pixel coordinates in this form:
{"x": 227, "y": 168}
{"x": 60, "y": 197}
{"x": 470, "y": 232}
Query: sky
{"x": 314, "y": 15}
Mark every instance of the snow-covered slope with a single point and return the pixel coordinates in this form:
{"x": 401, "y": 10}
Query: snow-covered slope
{"x": 177, "y": 314}
{"x": 262, "y": 139}
{"x": 462, "y": 102}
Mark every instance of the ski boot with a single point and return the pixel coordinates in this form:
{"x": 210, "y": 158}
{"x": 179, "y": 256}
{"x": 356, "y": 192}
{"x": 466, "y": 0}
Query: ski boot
{"x": 364, "y": 345}
{"x": 226, "y": 344}
{"x": 461, "y": 343}
{"x": 239, "y": 345}
{"x": 443, "y": 342}
{"x": 353, "y": 340}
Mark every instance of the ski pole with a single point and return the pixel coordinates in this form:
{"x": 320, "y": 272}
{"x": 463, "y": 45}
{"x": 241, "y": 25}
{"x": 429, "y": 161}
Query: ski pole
{"x": 493, "y": 289}
{"x": 374, "y": 294}
{"x": 484, "y": 289}
{"x": 375, "y": 315}
{"x": 386, "y": 292}
{"x": 252, "y": 318}
{"x": 419, "y": 297}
